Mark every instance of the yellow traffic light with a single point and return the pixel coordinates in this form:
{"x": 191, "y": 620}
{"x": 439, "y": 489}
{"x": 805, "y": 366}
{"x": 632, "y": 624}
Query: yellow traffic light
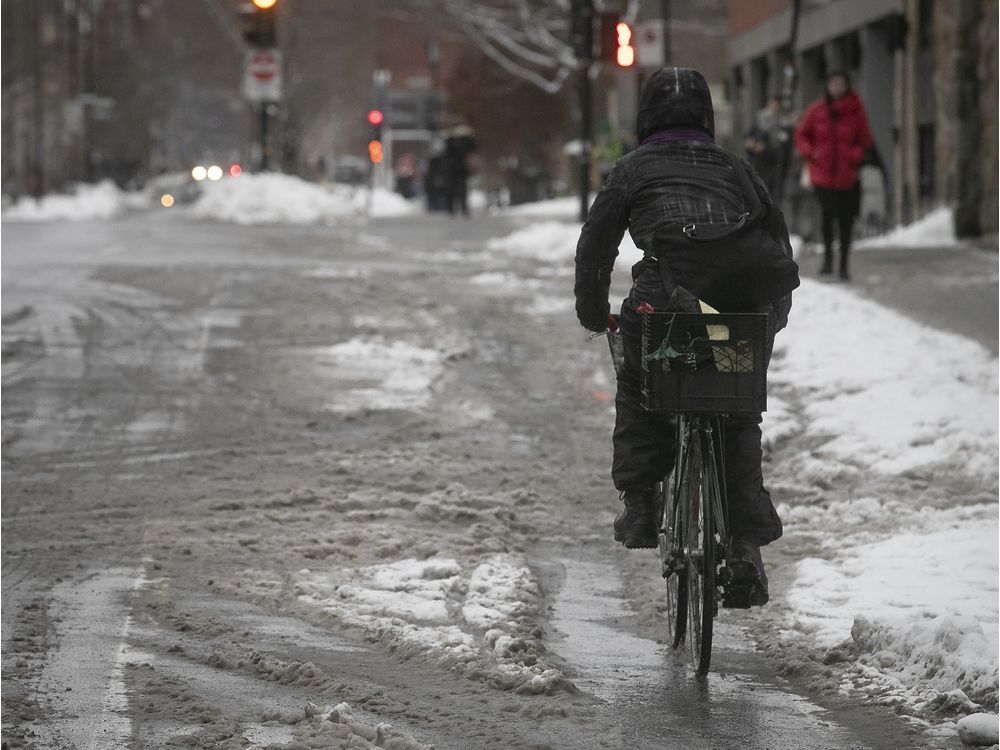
{"x": 265, "y": 4}
{"x": 375, "y": 151}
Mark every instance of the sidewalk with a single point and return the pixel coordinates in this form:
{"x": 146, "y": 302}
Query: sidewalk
{"x": 950, "y": 288}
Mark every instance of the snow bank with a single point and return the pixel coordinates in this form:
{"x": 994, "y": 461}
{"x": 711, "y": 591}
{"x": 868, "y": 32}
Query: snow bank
{"x": 549, "y": 241}
{"x": 374, "y": 374}
{"x": 554, "y": 242}
{"x": 466, "y": 618}
{"x": 284, "y": 199}
{"x": 885, "y": 392}
{"x": 87, "y": 202}
{"x": 934, "y": 230}
{"x": 921, "y": 609}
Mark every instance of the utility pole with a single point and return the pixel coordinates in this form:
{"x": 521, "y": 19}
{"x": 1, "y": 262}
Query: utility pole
{"x": 38, "y": 181}
{"x": 262, "y": 77}
{"x": 582, "y": 35}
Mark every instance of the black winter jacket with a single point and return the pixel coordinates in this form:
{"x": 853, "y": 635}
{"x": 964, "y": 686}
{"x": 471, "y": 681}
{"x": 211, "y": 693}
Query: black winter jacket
{"x": 658, "y": 184}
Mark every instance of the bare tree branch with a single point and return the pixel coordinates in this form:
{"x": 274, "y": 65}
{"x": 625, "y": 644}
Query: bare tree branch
{"x": 528, "y": 38}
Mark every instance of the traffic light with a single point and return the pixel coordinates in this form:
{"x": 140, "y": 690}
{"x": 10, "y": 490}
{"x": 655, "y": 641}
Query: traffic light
{"x": 625, "y": 52}
{"x": 259, "y": 23}
{"x": 375, "y": 119}
{"x": 616, "y": 41}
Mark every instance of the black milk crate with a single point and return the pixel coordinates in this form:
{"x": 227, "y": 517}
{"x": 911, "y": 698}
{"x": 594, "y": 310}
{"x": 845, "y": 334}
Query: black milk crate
{"x": 695, "y": 363}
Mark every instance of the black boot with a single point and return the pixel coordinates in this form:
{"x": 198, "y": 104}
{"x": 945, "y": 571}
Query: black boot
{"x": 748, "y": 572}
{"x": 827, "y": 261}
{"x": 844, "y": 273}
{"x": 635, "y": 527}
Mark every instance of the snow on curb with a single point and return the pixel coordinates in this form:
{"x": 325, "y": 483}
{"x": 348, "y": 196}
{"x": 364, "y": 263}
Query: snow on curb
{"x": 936, "y": 229}
{"x": 554, "y": 242}
{"x": 478, "y": 619}
{"x": 887, "y": 393}
{"x": 88, "y": 202}
{"x": 273, "y": 198}
{"x": 920, "y": 608}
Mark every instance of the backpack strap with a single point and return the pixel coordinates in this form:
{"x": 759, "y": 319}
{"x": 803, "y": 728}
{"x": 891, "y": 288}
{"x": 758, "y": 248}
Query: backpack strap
{"x": 757, "y": 207}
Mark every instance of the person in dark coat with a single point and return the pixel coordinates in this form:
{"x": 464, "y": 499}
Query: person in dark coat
{"x": 459, "y": 144}
{"x": 768, "y": 143}
{"x": 833, "y": 137}
{"x": 676, "y": 176}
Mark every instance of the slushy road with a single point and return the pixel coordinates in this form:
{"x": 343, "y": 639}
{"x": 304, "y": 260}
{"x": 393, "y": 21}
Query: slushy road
{"x": 188, "y": 457}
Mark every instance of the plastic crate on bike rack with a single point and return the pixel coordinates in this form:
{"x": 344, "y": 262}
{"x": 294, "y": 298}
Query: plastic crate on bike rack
{"x": 695, "y": 363}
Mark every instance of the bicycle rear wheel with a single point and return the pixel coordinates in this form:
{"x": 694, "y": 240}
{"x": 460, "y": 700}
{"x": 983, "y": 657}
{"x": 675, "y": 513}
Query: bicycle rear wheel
{"x": 700, "y": 554}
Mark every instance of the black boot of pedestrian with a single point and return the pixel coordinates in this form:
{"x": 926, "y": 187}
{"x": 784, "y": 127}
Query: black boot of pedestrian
{"x": 635, "y": 527}
{"x": 845, "y": 274}
{"x": 827, "y": 267}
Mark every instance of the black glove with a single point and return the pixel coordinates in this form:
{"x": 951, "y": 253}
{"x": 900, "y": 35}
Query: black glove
{"x": 591, "y": 290}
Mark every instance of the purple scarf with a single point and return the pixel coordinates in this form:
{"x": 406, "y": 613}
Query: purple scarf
{"x": 672, "y": 135}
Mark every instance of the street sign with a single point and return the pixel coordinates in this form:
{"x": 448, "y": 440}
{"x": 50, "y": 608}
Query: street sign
{"x": 262, "y": 75}
{"x": 649, "y": 44}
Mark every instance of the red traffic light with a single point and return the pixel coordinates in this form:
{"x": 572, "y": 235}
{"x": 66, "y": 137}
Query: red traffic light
{"x": 625, "y": 56}
{"x": 375, "y": 117}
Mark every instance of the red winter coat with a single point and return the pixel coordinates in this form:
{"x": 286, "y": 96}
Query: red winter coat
{"x": 833, "y": 138}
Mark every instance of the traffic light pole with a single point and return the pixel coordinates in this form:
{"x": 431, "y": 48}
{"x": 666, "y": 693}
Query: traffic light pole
{"x": 586, "y": 137}
{"x": 263, "y": 137}
{"x": 583, "y": 32}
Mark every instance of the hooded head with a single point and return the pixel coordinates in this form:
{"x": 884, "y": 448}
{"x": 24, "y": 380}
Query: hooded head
{"x": 675, "y": 97}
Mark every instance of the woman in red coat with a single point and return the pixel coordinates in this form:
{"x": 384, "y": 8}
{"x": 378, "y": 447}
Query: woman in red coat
{"x": 833, "y": 137}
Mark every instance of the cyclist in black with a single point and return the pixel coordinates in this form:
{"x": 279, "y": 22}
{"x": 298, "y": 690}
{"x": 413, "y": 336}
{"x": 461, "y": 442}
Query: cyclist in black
{"x": 677, "y": 176}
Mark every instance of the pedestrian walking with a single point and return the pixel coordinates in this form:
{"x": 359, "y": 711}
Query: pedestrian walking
{"x": 834, "y": 140}
{"x": 458, "y": 146}
{"x": 678, "y": 178}
{"x": 767, "y": 144}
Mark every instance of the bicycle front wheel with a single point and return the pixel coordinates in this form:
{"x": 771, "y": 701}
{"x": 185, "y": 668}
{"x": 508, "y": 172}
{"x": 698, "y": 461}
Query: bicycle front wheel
{"x": 700, "y": 554}
{"x": 674, "y": 576}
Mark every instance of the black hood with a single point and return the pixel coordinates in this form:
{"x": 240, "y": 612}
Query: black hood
{"x": 675, "y": 97}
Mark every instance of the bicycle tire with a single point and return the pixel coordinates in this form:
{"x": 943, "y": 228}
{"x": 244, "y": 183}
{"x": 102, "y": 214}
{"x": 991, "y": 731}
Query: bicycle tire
{"x": 676, "y": 580}
{"x": 700, "y": 540}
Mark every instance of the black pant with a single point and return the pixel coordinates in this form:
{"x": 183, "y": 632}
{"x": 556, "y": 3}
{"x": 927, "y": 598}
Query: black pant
{"x": 839, "y": 207}
{"x": 644, "y": 443}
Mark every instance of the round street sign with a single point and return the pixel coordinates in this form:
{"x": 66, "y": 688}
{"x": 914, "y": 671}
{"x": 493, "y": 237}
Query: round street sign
{"x": 265, "y": 65}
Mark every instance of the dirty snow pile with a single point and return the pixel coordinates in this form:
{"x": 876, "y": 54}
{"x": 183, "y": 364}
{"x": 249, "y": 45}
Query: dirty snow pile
{"x": 936, "y": 229}
{"x": 554, "y": 243}
{"x": 273, "y": 198}
{"x": 470, "y": 618}
{"x": 86, "y": 202}
{"x": 378, "y": 374}
{"x": 908, "y": 587}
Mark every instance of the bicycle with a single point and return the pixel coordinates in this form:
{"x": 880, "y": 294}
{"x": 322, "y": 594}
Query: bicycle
{"x": 701, "y": 368}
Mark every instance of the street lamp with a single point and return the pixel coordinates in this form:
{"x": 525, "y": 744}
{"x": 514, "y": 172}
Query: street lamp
{"x": 265, "y": 4}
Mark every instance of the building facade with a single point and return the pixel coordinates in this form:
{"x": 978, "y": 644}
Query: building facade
{"x": 926, "y": 71}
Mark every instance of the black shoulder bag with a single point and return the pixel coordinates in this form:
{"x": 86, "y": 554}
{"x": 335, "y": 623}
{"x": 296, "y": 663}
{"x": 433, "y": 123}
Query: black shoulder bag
{"x": 737, "y": 267}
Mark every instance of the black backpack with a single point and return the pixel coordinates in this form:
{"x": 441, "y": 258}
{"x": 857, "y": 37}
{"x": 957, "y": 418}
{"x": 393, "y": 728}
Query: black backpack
{"x": 737, "y": 267}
